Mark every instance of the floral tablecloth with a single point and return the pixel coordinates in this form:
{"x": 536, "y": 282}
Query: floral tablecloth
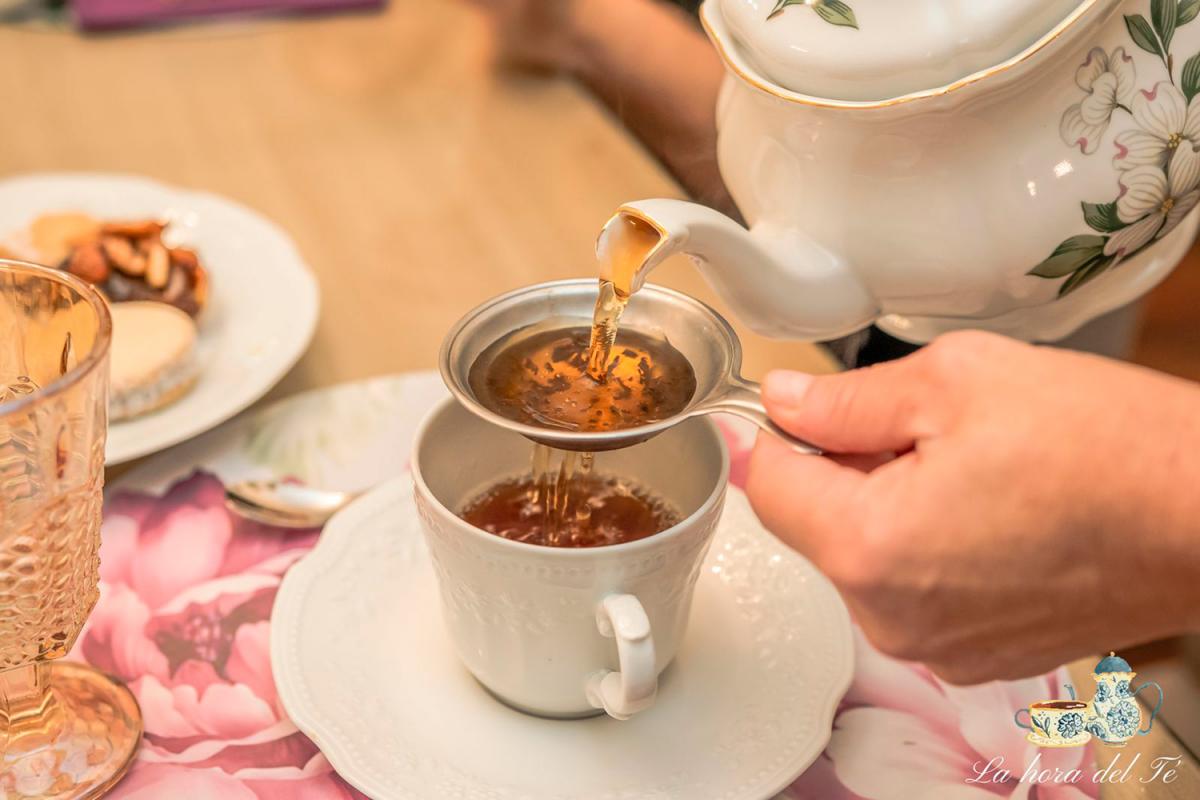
{"x": 185, "y": 608}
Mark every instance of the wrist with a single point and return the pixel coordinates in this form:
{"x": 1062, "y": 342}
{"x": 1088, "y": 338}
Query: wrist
{"x": 1162, "y": 531}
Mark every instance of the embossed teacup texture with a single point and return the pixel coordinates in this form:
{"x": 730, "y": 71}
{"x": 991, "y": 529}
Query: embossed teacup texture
{"x": 523, "y": 617}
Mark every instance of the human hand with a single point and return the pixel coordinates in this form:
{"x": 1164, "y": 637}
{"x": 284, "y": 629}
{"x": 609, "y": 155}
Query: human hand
{"x": 1001, "y": 508}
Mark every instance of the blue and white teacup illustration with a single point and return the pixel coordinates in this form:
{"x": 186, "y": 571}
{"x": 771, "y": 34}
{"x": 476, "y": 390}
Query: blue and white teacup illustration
{"x": 1114, "y": 713}
{"x": 1056, "y": 723}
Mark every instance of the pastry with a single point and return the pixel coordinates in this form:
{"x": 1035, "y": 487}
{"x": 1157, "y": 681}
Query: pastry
{"x": 153, "y": 357}
{"x": 53, "y": 236}
{"x": 126, "y": 260}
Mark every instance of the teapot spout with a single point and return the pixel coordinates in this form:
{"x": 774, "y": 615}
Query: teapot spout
{"x": 776, "y": 280}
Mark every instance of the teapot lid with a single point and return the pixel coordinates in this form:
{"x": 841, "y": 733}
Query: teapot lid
{"x": 868, "y": 50}
{"x": 1112, "y": 663}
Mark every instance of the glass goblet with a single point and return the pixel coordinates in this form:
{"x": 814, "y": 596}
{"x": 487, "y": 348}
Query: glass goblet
{"x": 66, "y": 730}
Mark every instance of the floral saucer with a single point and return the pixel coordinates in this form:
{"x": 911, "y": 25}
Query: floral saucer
{"x": 1075, "y": 741}
{"x": 364, "y": 667}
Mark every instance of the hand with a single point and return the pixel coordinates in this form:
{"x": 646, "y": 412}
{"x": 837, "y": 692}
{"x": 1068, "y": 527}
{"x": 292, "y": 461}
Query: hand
{"x": 1001, "y": 508}
{"x": 535, "y": 34}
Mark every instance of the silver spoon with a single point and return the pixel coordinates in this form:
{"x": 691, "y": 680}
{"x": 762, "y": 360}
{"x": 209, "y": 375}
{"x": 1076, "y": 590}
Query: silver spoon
{"x": 285, "y": 505}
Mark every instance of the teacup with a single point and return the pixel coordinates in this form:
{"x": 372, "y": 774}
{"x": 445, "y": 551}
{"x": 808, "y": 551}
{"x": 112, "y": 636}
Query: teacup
{"x": 1057, "y": 723}
{"x": 566, "y": 632}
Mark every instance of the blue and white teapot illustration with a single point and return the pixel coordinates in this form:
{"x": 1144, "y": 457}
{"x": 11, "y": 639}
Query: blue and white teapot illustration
{"x": 1114, "y": 712}
{"x": 1112, "y": 716}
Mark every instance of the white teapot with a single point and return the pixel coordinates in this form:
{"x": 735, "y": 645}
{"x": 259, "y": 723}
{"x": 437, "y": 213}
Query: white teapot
{"x": 1020, "y": 166}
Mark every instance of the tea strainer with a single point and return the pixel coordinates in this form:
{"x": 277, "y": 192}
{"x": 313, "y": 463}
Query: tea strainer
{"x": 697, "y": 331}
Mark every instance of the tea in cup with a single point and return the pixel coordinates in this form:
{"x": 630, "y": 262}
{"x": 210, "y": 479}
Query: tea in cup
{"x": 566, "y": 629}
{"x": 1056, "y": 723}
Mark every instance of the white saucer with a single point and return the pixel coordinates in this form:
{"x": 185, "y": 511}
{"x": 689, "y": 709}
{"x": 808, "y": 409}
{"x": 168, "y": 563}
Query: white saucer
{"x": 259, "y": 318}
{"x": 364, "y": 668}
{"x": 1042, "y": 741}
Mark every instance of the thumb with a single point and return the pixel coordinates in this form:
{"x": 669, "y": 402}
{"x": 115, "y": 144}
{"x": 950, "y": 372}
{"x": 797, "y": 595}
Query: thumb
{"x": 874, "y": 410}
{"x": 807, "y": 501}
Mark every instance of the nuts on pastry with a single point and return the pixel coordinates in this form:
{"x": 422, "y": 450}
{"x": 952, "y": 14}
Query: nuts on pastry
{"x": 127, "y": 260}
{"x": 88, "y": 262}
{"x": 158, "y": 266}
{"x": 142, "y": 229}
{"x": 120, "y": 252}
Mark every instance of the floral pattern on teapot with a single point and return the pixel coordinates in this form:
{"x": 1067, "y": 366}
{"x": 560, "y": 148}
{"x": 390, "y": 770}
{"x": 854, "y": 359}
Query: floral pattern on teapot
{"x": 835, "y": 12}
{"x": 1157, "y": 162}
{"x": 1115, "y": 716}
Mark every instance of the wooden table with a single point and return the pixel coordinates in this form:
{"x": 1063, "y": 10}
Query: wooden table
{"x": 415, "y": 181}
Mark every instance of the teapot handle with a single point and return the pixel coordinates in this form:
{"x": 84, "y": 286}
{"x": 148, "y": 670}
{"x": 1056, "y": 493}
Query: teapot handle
{"x": 1157, "y": 706}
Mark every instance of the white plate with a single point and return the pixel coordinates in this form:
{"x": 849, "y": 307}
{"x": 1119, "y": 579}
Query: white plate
{"x": 261, "y": 313}
{"x": 362, "y": 666}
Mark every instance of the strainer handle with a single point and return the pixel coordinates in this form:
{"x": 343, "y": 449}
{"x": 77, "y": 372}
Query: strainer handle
{"x": 743, "y": 398}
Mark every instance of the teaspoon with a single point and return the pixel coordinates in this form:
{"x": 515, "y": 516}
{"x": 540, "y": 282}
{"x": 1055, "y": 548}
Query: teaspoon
{"x": 285, "y": 505}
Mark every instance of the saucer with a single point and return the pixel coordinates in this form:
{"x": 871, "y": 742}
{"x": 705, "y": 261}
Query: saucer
{"x": 1042, "y": 741}
{"x": 364, "y": 667}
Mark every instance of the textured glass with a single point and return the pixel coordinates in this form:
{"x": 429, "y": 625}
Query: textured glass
{"x": 67, "y": 730}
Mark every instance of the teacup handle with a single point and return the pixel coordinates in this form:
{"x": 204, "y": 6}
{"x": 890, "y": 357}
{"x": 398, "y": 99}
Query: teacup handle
{"x": 1017, "y": 719}
{"x": 623, "y": 694}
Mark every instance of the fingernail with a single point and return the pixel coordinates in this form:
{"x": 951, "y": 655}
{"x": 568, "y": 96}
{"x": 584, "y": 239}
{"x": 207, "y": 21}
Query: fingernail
{"x": 786, "y": 388}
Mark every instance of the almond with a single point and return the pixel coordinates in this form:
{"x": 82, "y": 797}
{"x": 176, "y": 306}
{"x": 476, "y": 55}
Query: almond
{"x": 200, "y": 287}
{"x": 179, "y": 287}
{"x": 158, "y": 266}
{"x": 89, "y": 263}
{"x": 134, "y": 229}
{"x": 119, "y": 251}
{"x": 185, "y": 258}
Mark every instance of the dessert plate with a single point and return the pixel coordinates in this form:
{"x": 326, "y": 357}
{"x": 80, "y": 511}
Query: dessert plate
{"x": 363, "y": 667}
{"x": 260, "y": 315}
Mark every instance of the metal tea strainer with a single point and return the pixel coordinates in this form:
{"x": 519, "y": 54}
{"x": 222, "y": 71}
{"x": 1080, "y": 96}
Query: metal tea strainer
{"x": 697, "y": 331}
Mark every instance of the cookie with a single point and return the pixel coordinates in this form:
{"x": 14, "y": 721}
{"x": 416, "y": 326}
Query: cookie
{"x": 153, "y": 358}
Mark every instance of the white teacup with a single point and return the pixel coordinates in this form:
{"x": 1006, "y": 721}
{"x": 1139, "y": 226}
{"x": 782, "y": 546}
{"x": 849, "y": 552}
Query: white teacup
{"x": 566, "y": 632}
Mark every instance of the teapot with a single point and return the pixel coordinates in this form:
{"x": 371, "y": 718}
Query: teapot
{"x": 925, "y": 165}
{"x": 1113, "y": 713}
